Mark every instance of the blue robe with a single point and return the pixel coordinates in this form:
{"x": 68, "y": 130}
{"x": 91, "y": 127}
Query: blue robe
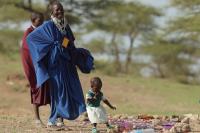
{"x": 57, "y": 64}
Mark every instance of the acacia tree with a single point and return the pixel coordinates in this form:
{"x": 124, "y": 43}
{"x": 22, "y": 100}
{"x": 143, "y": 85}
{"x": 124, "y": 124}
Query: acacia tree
{"x": 116, "y": 17}
{"x": 178, "y": 47}
{"x": 186, "y": 28}
{"x": 75, "y": 10}
{"x": 16, "y": 11}
{"x": 125, "y": 19}
{"x": 139, "y": 24}
{"x": 166, "y": 57}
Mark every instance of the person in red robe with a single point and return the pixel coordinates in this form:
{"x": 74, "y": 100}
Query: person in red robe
{"x": 39, "y": 96}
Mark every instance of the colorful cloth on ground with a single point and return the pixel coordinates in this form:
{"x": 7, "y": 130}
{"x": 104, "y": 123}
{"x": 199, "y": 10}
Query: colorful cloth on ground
{"x": 67, "y": 100}
{"x": 38, "y": 96}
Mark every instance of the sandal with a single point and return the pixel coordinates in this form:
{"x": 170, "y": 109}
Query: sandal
{"x": 63, "y": 126}
{"x": 94, "y": 130}
{"x": 60, "y": 124}
{"x": 53, "y": 127}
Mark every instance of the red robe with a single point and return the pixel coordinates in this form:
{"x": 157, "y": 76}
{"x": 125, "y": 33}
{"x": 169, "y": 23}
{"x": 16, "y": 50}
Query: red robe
{"x": 39, "y": 96}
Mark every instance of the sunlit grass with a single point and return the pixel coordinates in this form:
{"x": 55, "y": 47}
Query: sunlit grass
{"x": 129, "y": 93}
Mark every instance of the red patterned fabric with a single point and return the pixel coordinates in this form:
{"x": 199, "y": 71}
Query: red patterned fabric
{"x": 39, "y": 96}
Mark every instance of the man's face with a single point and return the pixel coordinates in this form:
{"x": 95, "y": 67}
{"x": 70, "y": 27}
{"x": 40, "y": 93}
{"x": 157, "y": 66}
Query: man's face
{"x": 58, "y": 11}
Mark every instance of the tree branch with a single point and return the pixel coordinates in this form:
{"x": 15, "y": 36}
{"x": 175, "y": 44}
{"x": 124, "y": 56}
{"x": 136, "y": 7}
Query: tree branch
{"x": 26, "y": 8}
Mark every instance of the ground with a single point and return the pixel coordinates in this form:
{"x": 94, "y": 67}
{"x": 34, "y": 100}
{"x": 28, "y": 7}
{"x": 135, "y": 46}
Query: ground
{"x": 131, "y": 95}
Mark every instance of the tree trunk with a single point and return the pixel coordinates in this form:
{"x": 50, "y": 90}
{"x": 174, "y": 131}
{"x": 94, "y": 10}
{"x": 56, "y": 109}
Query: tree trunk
{"x": 30, "y": 4}
{"x": 129, "y": 52}
{"x": 162, "y": 75}
{"x": 23, "y": 6}
{"x": 116, "y": 53}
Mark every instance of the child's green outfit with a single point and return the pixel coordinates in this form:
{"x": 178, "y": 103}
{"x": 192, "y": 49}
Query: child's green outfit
{"x": 96, "y": 112}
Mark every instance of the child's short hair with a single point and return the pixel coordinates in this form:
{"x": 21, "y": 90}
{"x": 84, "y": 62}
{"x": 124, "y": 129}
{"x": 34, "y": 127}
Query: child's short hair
{"x": 96, "y": 81}
{"x": 35, "y": 15}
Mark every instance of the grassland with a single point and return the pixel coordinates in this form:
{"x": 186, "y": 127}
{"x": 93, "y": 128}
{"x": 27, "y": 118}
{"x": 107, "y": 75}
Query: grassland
{"x": 130, "y": 94}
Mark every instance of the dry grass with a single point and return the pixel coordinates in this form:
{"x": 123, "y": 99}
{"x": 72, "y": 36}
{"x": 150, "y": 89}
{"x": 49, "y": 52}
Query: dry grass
{"x": 131, "y": 95}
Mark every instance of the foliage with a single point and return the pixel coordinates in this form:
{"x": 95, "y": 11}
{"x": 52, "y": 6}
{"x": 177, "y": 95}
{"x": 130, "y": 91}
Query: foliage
{"x": 120, "y": 20}
{"x": 12, "y": 13}
{"x": 186, "y": 27}
{"x": 180, "y": 38}
{"x": 105, "y": 67}
{"x": 123, "y": 19}
{"x": 167, "y": 57}
{"x": 10, "y": 41}
{"x": 97, "y": 45}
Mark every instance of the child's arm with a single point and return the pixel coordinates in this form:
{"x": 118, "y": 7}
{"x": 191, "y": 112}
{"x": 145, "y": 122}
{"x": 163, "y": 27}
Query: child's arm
{"x": 89, "y": 98}
{"x": 108, "y": 103}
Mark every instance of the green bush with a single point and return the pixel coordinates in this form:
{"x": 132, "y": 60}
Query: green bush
{"x": 105, "y": 67}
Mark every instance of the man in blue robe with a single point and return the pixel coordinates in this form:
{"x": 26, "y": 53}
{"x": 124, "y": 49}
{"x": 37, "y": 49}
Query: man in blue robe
{"x": 55, "y": 59}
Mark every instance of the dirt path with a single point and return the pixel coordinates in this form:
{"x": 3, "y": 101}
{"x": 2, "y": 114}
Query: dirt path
{"x": 16, "y": 115}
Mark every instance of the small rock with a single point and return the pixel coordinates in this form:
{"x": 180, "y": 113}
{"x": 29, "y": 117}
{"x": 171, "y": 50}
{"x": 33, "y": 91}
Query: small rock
{"x": 132, "y": 117}
{"x": 145, "y": 117}
{"x": 117, "y": 116}
{"x": 175, "y": 119}
{"x": 192, "y": 116}
{"x": 173, "y": 130}
{"x": 124, "y": 117}
{"x": 165, "y": 118}
{"x": 185, "y": 120}
{"x": 158, "y": 127}
{"x": 157, "y": 117}
{"x": 156, "y": 122}
{"x": 186, "y": 128}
